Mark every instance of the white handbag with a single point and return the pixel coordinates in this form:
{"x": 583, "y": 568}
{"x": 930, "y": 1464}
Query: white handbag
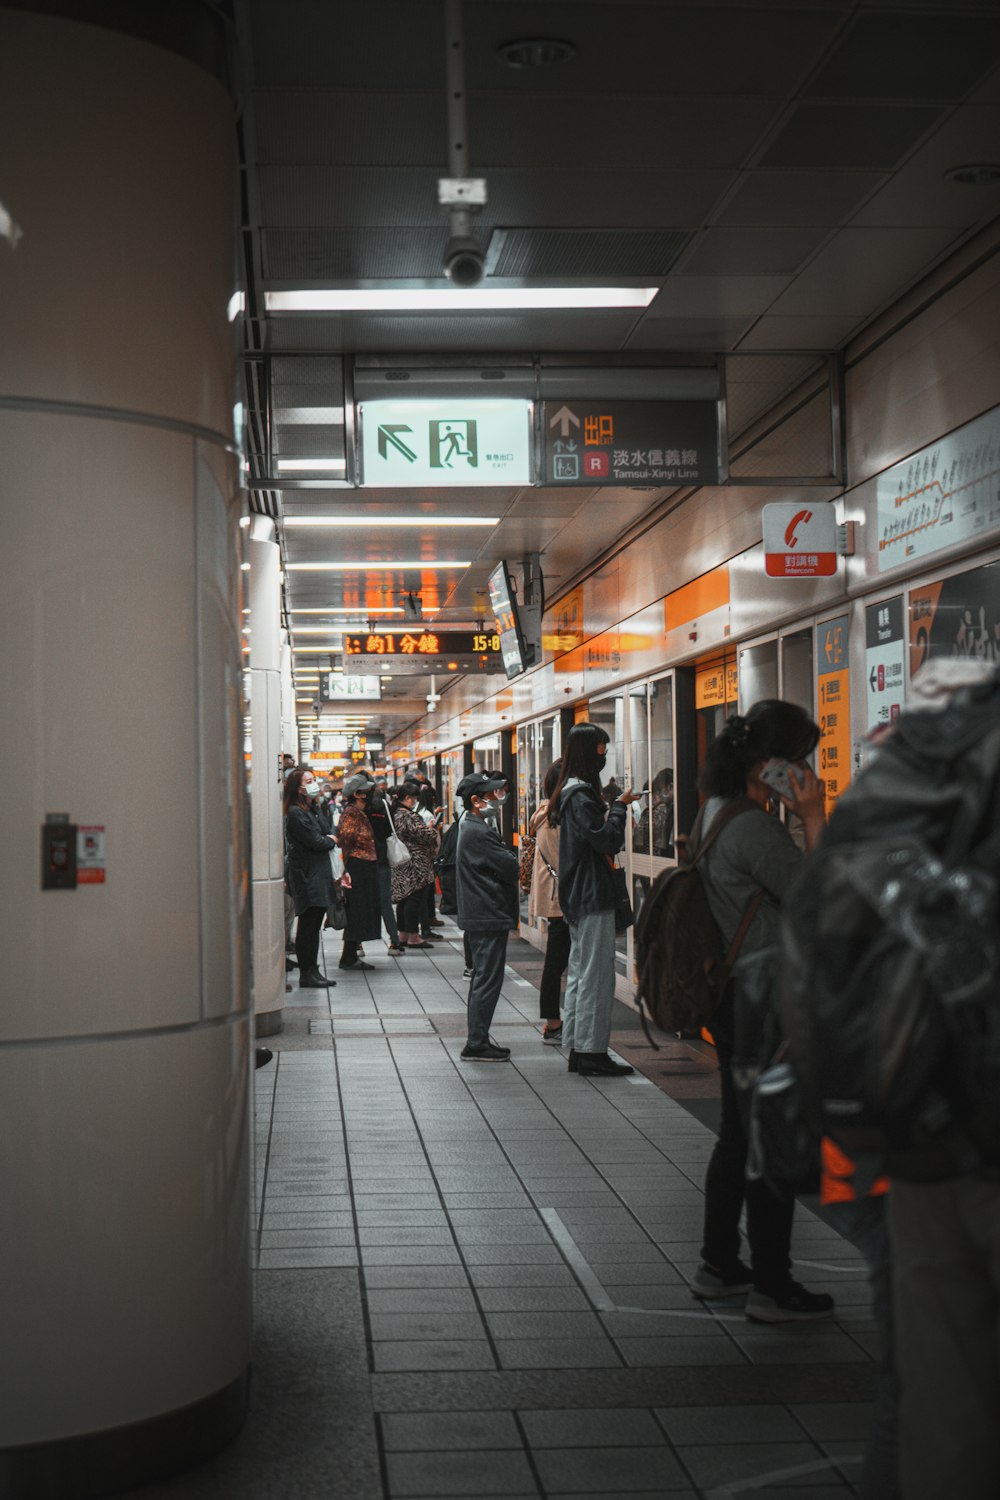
{"x": 396, "y": 851}
{"x": 337, "y": 863}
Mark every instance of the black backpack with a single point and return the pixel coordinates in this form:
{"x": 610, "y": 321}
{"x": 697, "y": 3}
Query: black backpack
{"x": 444, "y": 868}
{"x": 682, "y": 965}
{"x": 889, "y": 964}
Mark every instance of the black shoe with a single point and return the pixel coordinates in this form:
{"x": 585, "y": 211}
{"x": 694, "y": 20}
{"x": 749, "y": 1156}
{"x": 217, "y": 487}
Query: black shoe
{"x": 599, "y": 1065}
{"x": 358, "y": 963}
{"x": 312, "y": 979}
{"x": 468, "y": 973}
{"x": 436, "y": 923}
{"x": 432, "y": 937}
{"x": 793, "y": 1304}
{"x": 710, "y": 1281}
{"x": 263, "y": 1057}
{"x": 574, "y": 1061}
{"x": 290, "y": 964}
{"x": 421, "y": 944}
{"x": 488, "y": 1053}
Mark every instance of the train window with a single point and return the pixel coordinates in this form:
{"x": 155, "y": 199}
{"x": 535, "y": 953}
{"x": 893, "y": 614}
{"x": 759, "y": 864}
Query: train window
{"x": 797, "y": 669}
{"x": 758, "y": 674}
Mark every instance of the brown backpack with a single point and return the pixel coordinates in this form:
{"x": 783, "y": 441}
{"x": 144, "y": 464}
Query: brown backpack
{"x": 682, "y": 966}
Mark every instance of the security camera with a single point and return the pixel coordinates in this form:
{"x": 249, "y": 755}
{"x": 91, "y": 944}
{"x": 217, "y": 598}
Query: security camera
{"x": 463, "y": 260}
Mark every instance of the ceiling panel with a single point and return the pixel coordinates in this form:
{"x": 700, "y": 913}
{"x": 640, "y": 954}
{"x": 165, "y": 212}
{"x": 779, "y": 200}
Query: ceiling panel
{"x": 858, "y": 136}
{"x": 728, "y": 296}
{"x": 337, "y": 128}
{"x": 791, "y": 198}
{"x": 730, "y": 252}
{"x": 328, "y": 255}
{"x": 302, "y": 44}
{"x": 600, "y": 253}
{"x": 682, "y": 333}
{"x": 787, "y": 332}
{"x": 931, "y": 57}
{"x": 862, "y": 268}
{"x": 920, "y": 193}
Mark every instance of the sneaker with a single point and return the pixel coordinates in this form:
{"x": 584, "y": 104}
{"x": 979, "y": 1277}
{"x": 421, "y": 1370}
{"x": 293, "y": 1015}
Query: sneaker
{"x": 488, "y": 1053}
{"x": 792, "y": 1305}
{"x": 395, "y": 949}
{"x": 709, "y": 1283}
{"x": 552, "y": 1036}
{"x": 467, "y": 973}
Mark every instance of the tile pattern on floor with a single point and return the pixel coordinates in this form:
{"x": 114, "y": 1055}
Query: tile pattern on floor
{"x": 517, "y": 1230}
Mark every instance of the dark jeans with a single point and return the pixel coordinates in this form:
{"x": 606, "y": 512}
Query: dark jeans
{"x": 769, "y": 1217}
{"x": 385, "y": 901}
{"x": 556, "y": 960}
{"x": 307, "y": 937}
{"x": 468, "y": 950}
{"x": 427, "y": 911}
{"x": 349, "y": 954}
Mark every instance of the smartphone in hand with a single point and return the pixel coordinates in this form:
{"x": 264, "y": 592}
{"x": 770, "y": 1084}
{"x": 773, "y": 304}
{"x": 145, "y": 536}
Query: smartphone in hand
{"x": 778, "y": 776}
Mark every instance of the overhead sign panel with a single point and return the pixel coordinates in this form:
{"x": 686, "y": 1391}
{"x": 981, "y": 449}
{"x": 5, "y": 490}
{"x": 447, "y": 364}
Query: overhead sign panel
{"x": 334, "y": 685}
{"x": 424, "y": 651}
{"x": 451, "y": 441}
{"x": 800, "y": 541}
{"x": 631, "y": 442}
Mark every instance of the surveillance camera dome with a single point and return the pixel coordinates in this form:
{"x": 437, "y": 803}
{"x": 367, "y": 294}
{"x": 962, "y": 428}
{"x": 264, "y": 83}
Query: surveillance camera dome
{"x": 463, "y": 261}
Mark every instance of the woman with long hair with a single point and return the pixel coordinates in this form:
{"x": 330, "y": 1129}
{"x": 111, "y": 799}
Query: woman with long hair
{"x": 753, "y": 856}
{"x": 544, "y": 902}
{"x": 309, "y": 874}
{"x": 590, "y": 835}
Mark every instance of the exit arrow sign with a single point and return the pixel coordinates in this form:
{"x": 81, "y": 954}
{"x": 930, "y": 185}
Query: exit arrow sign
{"x": 563, "y": 418}
{"x": 387, "y": 434}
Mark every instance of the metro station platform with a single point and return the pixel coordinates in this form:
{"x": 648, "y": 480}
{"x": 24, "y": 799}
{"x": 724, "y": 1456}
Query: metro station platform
{"x": 472, "y": 1277}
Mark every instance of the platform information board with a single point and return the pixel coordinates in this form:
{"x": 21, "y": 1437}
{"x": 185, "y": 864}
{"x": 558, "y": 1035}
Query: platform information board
{"x": 834, "y": 752}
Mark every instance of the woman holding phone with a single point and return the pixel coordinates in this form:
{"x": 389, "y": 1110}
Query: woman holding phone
{"x": 757, "y": 761}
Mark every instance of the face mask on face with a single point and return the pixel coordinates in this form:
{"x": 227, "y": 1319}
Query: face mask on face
{"x": 501, "y": 798}
{"x": 491, "y": 811}
{"x": 311, "y": 788}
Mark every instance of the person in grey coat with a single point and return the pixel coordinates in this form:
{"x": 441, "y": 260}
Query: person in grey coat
{"x": 308, "y": 842}
{"x": 486, "y": 882}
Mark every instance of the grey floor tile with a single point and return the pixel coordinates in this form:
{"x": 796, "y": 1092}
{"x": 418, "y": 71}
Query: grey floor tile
{"x": 291, "y": 1257}
{"x": 683, "y": 1350}
{"x": 532, "y": 1299}
{"x": 835, "y": 1422}
{"x": 654, "y": 1296}
{"x": 790, "y": 1347}
{"x": 409, "y": 1255}
{"x": 280, "y": 1239}
{"x": 507, "y": 1275}
{"x": 439, "y": 1235}
{"x": 598, "y": 1471}
{"x": 426, "y": 1325}
{"x": 497, "y": 1472}
{"x": 342, "y": 1219}
{"x": 624, "y": 1427}
{"x": 729, "y": 1424}
{"x": 556, "y": 1354}
{"x": 420, "y": 1300}
{"x": 544, "y": 1325}
{"x": 414, "y": 1432}
{"x": 512, "y": 1255}
{"x": 729, "y": 1463}
{"x": 430, "y": 1354}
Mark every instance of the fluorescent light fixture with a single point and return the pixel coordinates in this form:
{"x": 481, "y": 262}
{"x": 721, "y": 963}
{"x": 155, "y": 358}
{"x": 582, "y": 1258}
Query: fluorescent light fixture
{"x": 457, "y": 299}
{"x": 311, "y": 465}
{"x": 315, "y": 630}
{"x": 244, "y": 567}
{"x": 360, "y": 611}
{"x": 409, "y": 520}
{"x": 311, "y": 416}
{"x": 396, "y": 566}
{"x": 237, "y": 305}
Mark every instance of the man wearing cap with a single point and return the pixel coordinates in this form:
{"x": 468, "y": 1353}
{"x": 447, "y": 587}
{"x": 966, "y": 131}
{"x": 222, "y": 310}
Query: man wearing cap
{"x": 486, "y": 884}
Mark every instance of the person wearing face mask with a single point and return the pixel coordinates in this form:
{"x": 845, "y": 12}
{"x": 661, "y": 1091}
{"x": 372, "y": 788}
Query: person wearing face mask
{"x": 357, "y": 841}
{"x": 486, "y": 883}
{"x": 308, "y": 841}
{"x": 410, "y": 881}
{"x": 590, "y": 835}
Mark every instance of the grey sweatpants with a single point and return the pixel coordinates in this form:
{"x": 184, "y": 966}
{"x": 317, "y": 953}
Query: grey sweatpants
{"x": 590, "y": 983}
{"x": 489, "y": 958}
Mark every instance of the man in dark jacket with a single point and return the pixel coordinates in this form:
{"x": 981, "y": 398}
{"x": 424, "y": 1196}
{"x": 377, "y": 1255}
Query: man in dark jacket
{"x": 486, "y": 886}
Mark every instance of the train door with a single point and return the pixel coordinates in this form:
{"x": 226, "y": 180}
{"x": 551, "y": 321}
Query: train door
{"x": 538, "y": 745}
{"x": 653, "y": 823}
{"x": 612, "y": 715}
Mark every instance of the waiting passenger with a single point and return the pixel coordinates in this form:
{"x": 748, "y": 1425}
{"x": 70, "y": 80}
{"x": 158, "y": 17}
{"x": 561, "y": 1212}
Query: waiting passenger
{"x": 544, "y": 902}
{"x": 357, "y": 841}
{"x": 410, "y": 880}
{"x": 378, "y": 815}
{"x": 589, "y": 837}
{"x": 754, "y": 857}
{"x": 446, "y": 865}
{"x": 487, "y": 889}
{"x": 308, "y": 842}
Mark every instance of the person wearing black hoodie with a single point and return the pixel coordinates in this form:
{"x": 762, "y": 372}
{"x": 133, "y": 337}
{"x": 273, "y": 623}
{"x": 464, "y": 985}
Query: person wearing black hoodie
{"x": 590, "y": 835}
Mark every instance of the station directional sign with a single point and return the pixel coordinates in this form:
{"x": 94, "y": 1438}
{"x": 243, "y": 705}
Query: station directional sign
{"x": 631, "y": 442}
{"x": 451, "y": 441}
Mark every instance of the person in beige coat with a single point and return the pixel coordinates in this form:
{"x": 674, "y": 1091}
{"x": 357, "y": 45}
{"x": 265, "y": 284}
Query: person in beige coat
{"x": 544, "y": 902}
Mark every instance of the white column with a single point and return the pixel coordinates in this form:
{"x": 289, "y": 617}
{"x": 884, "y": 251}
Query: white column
{"x": 266, "y": 837}
{"x": 125, "y": 1028}
{"x": 289, "y": 728}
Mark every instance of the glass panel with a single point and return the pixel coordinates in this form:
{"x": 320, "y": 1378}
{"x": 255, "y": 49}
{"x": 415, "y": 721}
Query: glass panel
{"x": 661, "y": 751}
{"x": 525, "y": 803}
{"x": 716, "y": 692}
{"x": 639, "y": 769}
{"x": 758, "y": 674}
{"x": 609, "y": 715}
{"x": 797, "y": 669}
{"x": 546, "y": 732}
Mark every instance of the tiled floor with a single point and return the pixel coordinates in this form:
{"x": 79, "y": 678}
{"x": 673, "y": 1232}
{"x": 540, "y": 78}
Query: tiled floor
{"x": 506, "y": 1249}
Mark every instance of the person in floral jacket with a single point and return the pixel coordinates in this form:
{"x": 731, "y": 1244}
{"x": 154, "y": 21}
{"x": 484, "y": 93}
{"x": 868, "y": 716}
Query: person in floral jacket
{"x": 410, "y": 881}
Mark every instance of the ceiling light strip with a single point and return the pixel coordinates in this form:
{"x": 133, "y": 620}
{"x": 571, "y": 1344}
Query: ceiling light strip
{"x": 457, "y": 299}
{"x": 410, "y": 520}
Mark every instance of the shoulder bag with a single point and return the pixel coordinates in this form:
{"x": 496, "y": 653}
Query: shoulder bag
{"x": 396, "y": 851}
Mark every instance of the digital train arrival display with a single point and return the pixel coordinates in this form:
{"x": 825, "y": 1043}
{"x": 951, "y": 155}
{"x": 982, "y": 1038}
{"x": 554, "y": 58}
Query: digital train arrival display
{"x": 508, "y": 623}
